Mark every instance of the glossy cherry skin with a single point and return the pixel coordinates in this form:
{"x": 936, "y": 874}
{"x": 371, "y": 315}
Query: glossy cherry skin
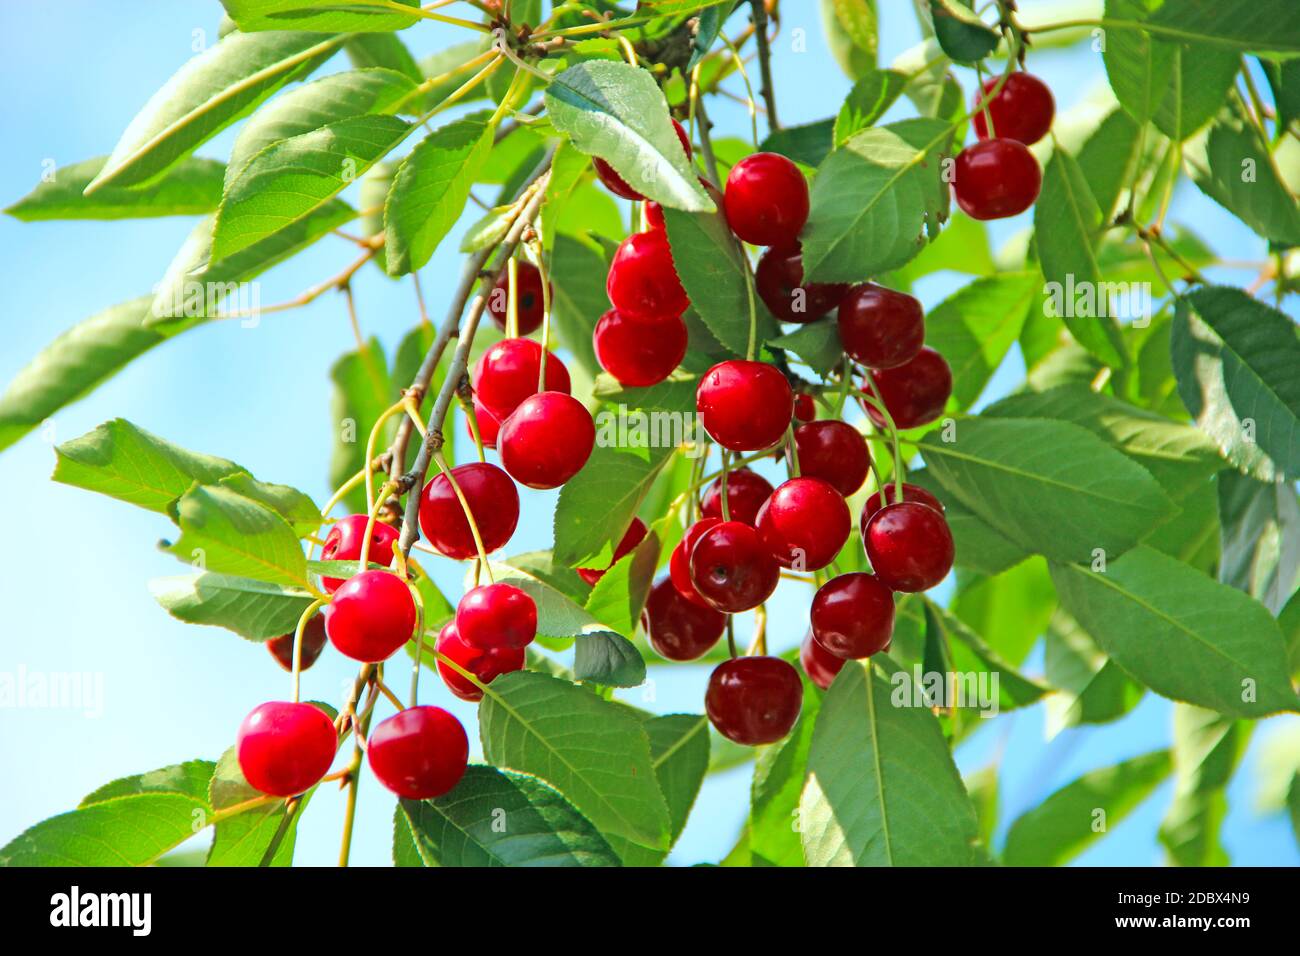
{"x": 642, "y": 282}
{"x": 819, "y": 664}
{"x": 487, "y": 666}
{"x": 909, "y": 546}
{"x": 804, "y": 524}
{"x": 754, "y": 700}
{"x": 636, "y": 352}
{"x": 995, "y": 179}
{"x": 805, "y": 409}
{"x": 488, "y": 425}
{"x": 617, "y": 184}
{"x": 766, "y": 200}
{"x": 779, "y": 279}
{"x": 679, "y": 565}
{"x": 529, "y": 310}
{"x": 879, "y": 327}
{"x": 313, "y": 642}
{"x": 371, "y": 616}
{"x": 915, "y": 393}
{"x": 746, "y": 492}
{"x": 744, "y": 406}
{"x": 1022, "y": 110}
{"x": 344, "y": 541}
{"x": 419, "y": 753}
{"x": 732, "y": 569}
{"x": 546, "y": 440}
{"x": 886, "y": 496}
{"x": 506, "y": 374}
{"x": 285, "y": 748}
{"x": 495, "y": 617}
{"x": 852, "y": 615}
{"x": 632, "y": 537}
{"x": 835, "y": 452}
{"x": 680, "y": 629}
{"x": 493, "y": 501}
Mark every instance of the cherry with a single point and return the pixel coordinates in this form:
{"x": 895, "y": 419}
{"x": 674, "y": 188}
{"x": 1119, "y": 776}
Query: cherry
{"x": 880, "y": 327}
{"x": 642, "y": 281}
{"x": 546, "y": 440}
{"x": 617, "y": 184}
{"x": 853, "y": 615}
{"x": 835, "y": 452}
{"x": 766, "y": 200}
{"x": 804, "y": 524}
{"x": 285, "y": 748}
{"x": 313, "y": 642}
{"x": 493, "y": 501}
{"x": 909, "y": 546}
{"x": 419, "y": 753}
{"x": 805, "y": 409}
{"x": 488, "y": 425}
{"x": 678, "y": 628}
{"x": 1022, "y": 110}
{"x": 731, "y": 568}
{"x": 915, "y": 393}
{"x": 496, "y": 616}
{"x": 746, "y": 493}
{"x": 886, "y": 496}
{"x": 743, "y": 405}
{"x": 754, "y": 700}
{"x": 507, "y": 372}
{"x": 996, "y": 178}
{"x": 528, "y": 291}
{"x": 636, "y": 352}
{"x": 371, "y": 616}
{"x": 487, "y": 666}
{"x": 679, "y": 566}
{"x": 632, "y": 537}
{"x": 819, "y": 664}
{"x": 779, "y": 279}
{"x": 344, "y": 541}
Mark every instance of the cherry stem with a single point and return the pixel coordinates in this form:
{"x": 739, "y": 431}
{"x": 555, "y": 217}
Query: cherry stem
{"x": 759, "y": 643}
{"x": 749, "y": 89}
{"x": 879, "y": 403}
{"x": 791, "y": 452}
{"x": 536, "y": 247}
{"x": 512, "y": 298}
{"x": 471, "y": 416}
{"x": 419, "y": 629}
{"x": 731, "y": 634}
{"x": 303, "y": 618}
{"x": 726, "y": 471}
{"x": 363, "y": 561}
{"x": 392, "y": 698}
{"x": 444, "y": 659}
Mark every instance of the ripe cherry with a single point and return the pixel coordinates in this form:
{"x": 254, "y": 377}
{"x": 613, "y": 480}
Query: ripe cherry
{"x": 915, "y": 393}
{"x": 1022, "y": 110}
{"x": 642, "y": 282}
{"x": 886, "y": 496}
{"x": 804, "y": 524}
{"x": 779, "y": 279}
{"x": 488, "y": 425}
{"x": 819, "y": 664}
{"x": 835, "y": 452}
{"x": 909, "y": 546}
{"x": 732, "y": 569}
{"x": 743, "y": 405}
{"x": 853, "y": 615}
{"x": 617, "y": 184}
{"x": 880, "y": 327}
{"x": 746, "y": 493}
{"x": 493, "y": 501}
{"x": 636, "y": 352}
{"x": 313, "y": 642}
{"x": 632, "y": 537}
{"x": 419, "y": 753}
{"x": 679, "y": 566}
{"x": 506, "y": 374}
{"x": 546, "y": 440}
{"x": 996, "y": 178}
{"x": 344, "y": 541}
{"x": 528, "y": 291}
{"x": 754, "y": 700}
{"x": 680, "y": 629}
{"x": 487, "y": 666}
{"x": 805, "y": 409}
{"x": 766, "y": 200}
{"x": 285, "y": 748}
{"x": 496, "y": 616}
{"x": 371, "y": 616}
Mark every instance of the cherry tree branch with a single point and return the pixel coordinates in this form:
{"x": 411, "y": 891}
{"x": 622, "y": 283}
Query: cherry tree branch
{"x": 759, "y": 12}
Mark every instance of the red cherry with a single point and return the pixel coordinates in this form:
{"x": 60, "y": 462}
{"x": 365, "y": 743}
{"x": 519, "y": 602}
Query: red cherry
{"x": 344, "y": 541}
{"x": 313, "y": 642}
{"x": 805, "y": 409}
{"x": 546, "y": 440}
{"x": 835, "y": 452}
{"x": 528, "y": 290}
{"x": 495, "y": 616}
{"x": 1022, "y": 110}
{"x": 744, "y": 406}
{"x": 909, "y": 546}
{"x": 880, "y": 327}
{"x": 636, "y": 352}
{"x": 493, "y": 501}
{"x": 284, "y": 748}
{"x": 996, "y": 178}
{"x": 506, "y": 374}
{"x": 617, "y": 184}
{"x": 487, "y": 666}
{"x": 853, "y": 615}
{"x": 754, "y": 700}
{"x": 680, "y": 629}
{"x": 779, "y": 279}
{"x": 419, "y": 753}
{"x": 886, "y": 496}
{"x": 371, "y": 616}
{"x": 653, "y": 215}
{"x": 732, "y": 569}
{"x": 642, "y": 281}
{"x": 819, "y": 664}
{"x": 679, "y": 566}
{"x": 804, "y": 524}
{"x": 746, "y": 493}
{"x": 632, "y": 537}
{"x": 915, "y": 393}
{"x": 766, "y": 200}
{"x": 488, "y": 425}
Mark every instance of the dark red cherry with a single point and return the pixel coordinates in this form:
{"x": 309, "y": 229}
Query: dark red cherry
{"x": 766, "y": 200}
{"x": 880, "y": 327}
{"x": 804, "y": 524}
{"x": 632, "y": 537}
{"x": 506, "y": 374}
{"x": 495, "y": 616}
{"x": 754, "y": 700}
{"x": 909, "y": 546}
{"x": 679, "y": 566}
{"x": 886, "y": 496}
{"x": 488, "y": 425}
{"x": 546, "y": 440}
{"x": 617, "y": 184}
{"x": 344, "y": 541}
{"x": 528, "y": 290}
{"x": 915, "y": 393}
{"x": 819, "y": 664}
{"x": 680, "y": 629}
{"x": 313, "y": 642}
{"x": 487, "y": 666}
{"x": 853, "y": 615}
{"x": 642, "y": 282}
{"x": 371, "y": 616}
{"x": 779, "y": 279}
{"x": 493, "y": 501}
{"x": 637, "y": 352}
{"x": 284, "y": 748}
{"x": 835, "y": 452}
{"x": 732, "y": 568}
{"x": 996, "y": 178}
{"x": 1022, "y": 110}
{"x": 805, "y": 409}
{"x": 746, "y": 493}
{"x": 744, "y": 406}
{"x": 419, "y": 753}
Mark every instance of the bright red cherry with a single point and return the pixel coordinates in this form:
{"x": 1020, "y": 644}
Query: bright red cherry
{"x": 528, "y": 290}
{"x": 1022, "y": 110}
{"x": 419, "y": 753}
{"x": 835, "y": 452}
{"x": 546, "y": 440}
{"x": 642, "y": 281}
{"x": 732, "y": 568}
{"x": 493, "y": 501}
{"x": 632, "y": 537}
{"x": 909, "y": 546}
{"x": 313, "y": 642}
{"x": 779, "y": 279}
{"x": 915, "y": 393}
{"x": 886, "y": 496}
{"x": 495, "y": 616}
{"x": 804, "y": 524}
{"x": 487, "y": 666}
{"x": 617, "y": 184}
{"x": 488, "y": 425}
{"x": 371, "y": 616}
{"x": 284, "y": 749}
{"x": 853, "y": 615}
{"x": 679, "y": 566}
{"x": 344, "y": 541}
{"x": 746, "y": 493}
{"x": 805, "y": 409}
{"x": 506, "y": 374}
{"x": 996, "y": 178}
{"x": 636, "y": 352}
{"x": 766, "y": 200}
{"x": 754, "y": 700}
{"x": 680, "y": 629}
{"x": 819, "y": 664}
{"x": 880, "y": 327}
{"x": 744, "y": 406}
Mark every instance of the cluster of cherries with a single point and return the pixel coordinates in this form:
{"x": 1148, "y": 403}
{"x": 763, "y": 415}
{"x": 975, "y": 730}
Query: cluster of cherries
{"x": 997, "y": 176}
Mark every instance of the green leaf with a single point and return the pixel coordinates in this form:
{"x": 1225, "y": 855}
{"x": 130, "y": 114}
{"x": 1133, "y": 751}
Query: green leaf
{"x": 385, "y": 51}
{"x": 779, "y": 772}
{"x": 837, "y": 15}
{"x": 1010, "y": 610}
{"x": 1260, "y": 25}
{"x": 964, "y": 36}
{"x": 292, "y": 505}
{"x": 817, "y": 343}
{"x": 362, "y": 391}
{"x": 191, "y": 188}
{"x": 1091, "y": 688}
{"x": 329, "y": 16}
{"x": 225, "y": 532}
{"x": 1108, "y": 159}
{"x": 620, "y": 595}
{"x": 1199, "y": 81}
{"x": 609, "y": 659}
{"x": 1207, "y": 749}
{"x": 245, "y": 838}
{"x": 679, "y": 753}
{"x": 1260, "y": 535}
{"x": 869, "y": 99}
{"x": 252, "y": 609}
{"x": 618, "y": 480}
{"x": 577, "y": 276}
{"x": 978, "y": 546}
{"x": 971, "y": 657}
{"x": 808, "y": 144}
{"x": 1139, "y": 67}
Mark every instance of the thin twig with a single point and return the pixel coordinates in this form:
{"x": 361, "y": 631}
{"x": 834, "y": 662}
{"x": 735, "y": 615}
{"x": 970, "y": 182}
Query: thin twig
{"x": 759, "y": 11}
